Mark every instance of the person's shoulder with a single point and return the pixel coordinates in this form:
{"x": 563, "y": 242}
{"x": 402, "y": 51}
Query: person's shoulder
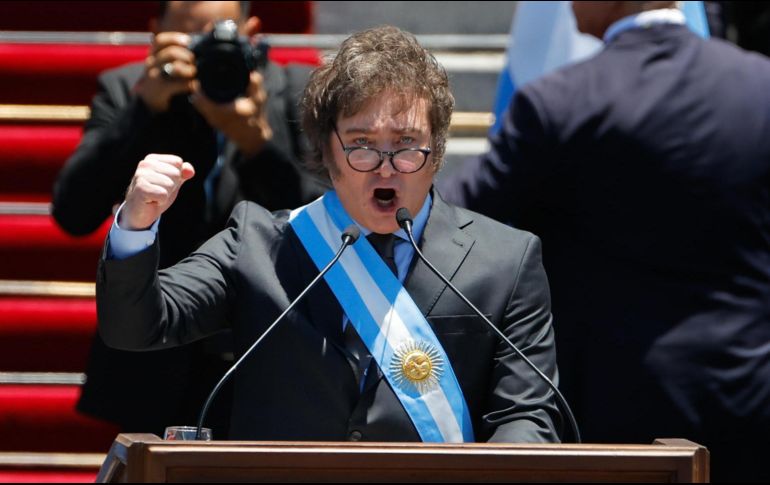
{"x": 492, "y": 235}
{"x": 498, "y": 251}
{"x": 622, "y": 56}
{"x": 722, "y": 51}
{"x": 250, "y": 217}
{"x": 291, "y": 77}
{"x": 567, "y": 78}
{"x": 250, "y": 211}
{"x": 558, "y": 95}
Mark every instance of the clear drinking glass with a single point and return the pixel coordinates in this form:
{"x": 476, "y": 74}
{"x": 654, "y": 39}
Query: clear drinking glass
{"x": 181, "y": 433}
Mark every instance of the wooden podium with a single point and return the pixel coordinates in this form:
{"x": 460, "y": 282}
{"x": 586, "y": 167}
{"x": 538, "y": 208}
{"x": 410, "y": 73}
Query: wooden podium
{"x": 147, "y": 458}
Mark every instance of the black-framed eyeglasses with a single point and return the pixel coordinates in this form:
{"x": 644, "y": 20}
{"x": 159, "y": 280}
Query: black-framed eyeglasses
{"x": 366, "y": 159}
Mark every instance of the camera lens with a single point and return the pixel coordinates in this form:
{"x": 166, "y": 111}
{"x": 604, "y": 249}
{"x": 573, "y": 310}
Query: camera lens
{"x": 223, "y": 72}
{"x": 224, "y": 61}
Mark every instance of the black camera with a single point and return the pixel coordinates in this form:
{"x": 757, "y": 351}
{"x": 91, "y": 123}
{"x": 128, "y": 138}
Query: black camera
{"x": 224, "y": 60}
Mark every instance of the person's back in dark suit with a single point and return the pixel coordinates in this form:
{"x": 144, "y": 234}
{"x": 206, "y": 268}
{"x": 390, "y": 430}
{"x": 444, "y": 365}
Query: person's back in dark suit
{"x": 646, "y": 171}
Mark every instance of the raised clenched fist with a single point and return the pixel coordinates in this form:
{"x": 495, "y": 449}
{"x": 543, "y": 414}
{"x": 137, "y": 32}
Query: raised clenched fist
{"x": 153, "y": 189}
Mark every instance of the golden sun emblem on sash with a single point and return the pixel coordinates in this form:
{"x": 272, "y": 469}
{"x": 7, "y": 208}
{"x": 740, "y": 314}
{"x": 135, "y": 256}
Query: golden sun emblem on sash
{"x": 417, "y": 365}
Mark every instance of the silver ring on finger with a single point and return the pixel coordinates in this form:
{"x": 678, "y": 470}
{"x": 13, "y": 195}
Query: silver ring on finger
{"x": 167, "y": 70}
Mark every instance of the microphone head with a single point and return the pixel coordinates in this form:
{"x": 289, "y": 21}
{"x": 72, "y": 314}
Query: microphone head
{"x": 403, "y": 216}
{"x": 352, "y": 232}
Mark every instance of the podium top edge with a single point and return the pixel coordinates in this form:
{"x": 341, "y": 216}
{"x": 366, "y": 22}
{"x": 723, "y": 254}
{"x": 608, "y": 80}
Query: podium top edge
{"x": 670, "y": 444}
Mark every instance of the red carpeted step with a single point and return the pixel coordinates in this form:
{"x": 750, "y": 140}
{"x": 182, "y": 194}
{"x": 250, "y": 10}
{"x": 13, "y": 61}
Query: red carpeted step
{"x": 43, "y": 418}
{"x": 32, "y": 155}
{"x": 66, "y": 59}
{"x": 33, "y": 247}
{"x": 41, "y": 334}
{"x": 59, "y": 74}
{"x": 297, "y": 55}
{"x": 40, "y": 231}
{"x": 65, "y": 74}
{"x": 47, "y": 476}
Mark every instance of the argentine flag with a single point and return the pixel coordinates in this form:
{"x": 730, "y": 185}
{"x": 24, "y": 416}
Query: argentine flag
{"x": 544, "y": 37}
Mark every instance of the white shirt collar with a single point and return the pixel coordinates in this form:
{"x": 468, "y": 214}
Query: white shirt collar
{"x": 644, "y": 20}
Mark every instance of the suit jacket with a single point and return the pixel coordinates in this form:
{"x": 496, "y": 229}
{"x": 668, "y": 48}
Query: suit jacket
{"x": 143, "y": 393}
{"x": 299, "y": 384}
{"x": 646, "y": 172}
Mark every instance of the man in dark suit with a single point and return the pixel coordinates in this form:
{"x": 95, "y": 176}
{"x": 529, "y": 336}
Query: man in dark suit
{"x": 245, "y": 149}
{"x": 645, "y": 170}
{"x": 378, "y": 130}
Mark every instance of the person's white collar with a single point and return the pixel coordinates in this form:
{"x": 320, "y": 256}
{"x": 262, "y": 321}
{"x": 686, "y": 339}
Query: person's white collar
{"x": 644, "y": 20}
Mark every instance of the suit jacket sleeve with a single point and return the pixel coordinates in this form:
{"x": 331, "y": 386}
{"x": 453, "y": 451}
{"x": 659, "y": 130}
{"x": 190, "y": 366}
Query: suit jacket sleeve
{"x": 522, "y": 406}
{"x": 508, "y": 180}
{"x": 140, "y": 308}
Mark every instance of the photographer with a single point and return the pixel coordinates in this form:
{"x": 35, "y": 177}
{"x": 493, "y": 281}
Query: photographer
{"x": 244, "y": 148}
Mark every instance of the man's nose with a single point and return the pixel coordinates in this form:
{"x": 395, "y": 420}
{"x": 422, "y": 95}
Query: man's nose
{"x": 386, "y": 168}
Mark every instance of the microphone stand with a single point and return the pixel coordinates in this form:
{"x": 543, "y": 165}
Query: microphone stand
{"x": 349, "y": 237}
{"x": 404, "y": 220}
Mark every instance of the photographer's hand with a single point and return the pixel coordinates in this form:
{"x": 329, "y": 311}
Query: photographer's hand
{"x": 243, "y": 120}
{"x": 168, "y": 70}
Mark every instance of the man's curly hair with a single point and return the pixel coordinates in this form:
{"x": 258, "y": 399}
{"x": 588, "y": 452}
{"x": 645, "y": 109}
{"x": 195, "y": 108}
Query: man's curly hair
{"x": 368, "y": 64}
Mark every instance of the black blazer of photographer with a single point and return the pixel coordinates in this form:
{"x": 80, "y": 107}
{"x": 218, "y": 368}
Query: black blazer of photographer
{"x": 122, "y": 131}
{"x": 148, "y": 391}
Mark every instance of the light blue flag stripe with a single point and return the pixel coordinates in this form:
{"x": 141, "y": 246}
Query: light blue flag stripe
{"x": 695, "y": 16}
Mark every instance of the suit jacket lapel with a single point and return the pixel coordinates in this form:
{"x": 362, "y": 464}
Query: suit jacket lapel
{"x": 444, "y": 244}
{"x": 322, "y": 308}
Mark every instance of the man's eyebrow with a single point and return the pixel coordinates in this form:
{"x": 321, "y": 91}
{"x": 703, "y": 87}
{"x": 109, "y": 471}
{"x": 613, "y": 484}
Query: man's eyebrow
{"x": 357, "y": 129}
{"x": 408, "y": 129}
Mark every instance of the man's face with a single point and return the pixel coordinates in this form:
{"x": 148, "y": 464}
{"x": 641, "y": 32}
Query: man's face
{"x": 192, "y": 17}
{"x": 387, "y": 124}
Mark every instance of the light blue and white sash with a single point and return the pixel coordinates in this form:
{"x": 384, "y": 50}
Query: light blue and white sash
{"x": 388, "y": 322}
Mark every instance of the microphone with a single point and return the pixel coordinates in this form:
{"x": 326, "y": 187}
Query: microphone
{"x": 349, "y": 237}
{"x": 404, "y": 220}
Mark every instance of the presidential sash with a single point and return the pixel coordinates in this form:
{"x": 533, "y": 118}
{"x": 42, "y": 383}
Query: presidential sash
{"x": 388, "y": 322}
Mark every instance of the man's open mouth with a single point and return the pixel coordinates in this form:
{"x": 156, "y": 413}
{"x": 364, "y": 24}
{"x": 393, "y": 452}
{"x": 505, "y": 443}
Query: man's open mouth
{"x": 384, "y": 197}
